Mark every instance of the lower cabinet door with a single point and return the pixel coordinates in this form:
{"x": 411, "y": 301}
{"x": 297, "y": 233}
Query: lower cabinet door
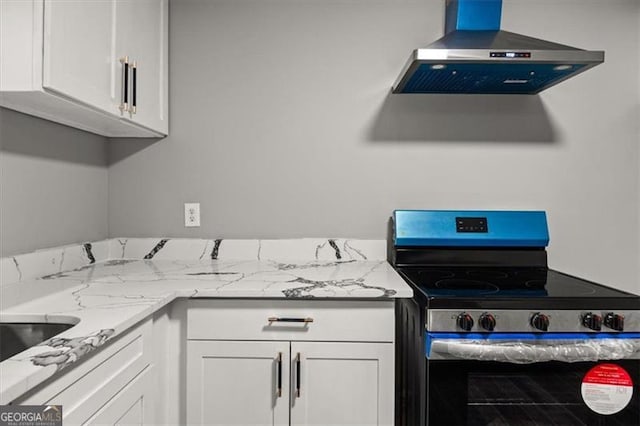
{"x": 133, "y": 405}
{"x": 237, "y": 383}
{"x": 342, "y": 383}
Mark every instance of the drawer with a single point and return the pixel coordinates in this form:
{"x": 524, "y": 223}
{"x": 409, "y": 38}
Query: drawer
{"x": 353, "y": 321}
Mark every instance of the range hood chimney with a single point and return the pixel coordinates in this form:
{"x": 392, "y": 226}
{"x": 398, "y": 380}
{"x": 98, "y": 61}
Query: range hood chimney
{"x": 476, "y": 57}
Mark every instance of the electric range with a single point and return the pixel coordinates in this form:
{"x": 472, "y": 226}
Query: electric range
{"x": 493, "y": 336}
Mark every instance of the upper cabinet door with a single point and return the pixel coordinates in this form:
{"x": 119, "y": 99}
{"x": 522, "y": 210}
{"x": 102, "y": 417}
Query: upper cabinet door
{"x": 79, "y": 49}
{"x": 142, "y": 36}
{"x": 60, "y": 60}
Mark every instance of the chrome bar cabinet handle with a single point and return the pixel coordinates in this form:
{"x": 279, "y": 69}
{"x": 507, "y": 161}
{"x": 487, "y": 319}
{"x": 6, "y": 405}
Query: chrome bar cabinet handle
{"x": 279, "y": 319}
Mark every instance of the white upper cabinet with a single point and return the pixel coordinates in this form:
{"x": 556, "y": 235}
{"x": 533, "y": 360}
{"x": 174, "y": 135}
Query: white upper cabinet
{"x": 64, "y": 60}
{"x": 78, "y": 51}
{"x": 144, "y": 41}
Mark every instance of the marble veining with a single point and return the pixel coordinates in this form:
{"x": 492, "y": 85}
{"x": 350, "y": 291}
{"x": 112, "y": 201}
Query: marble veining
{"x": 49, "y": 262}
{"x": 87, "y": 250}
{"x": 333, "y": 244}
{"x": 156, "y": 249}
{"x": 69, "y": 350}
{"x": 350, "y": 250}
{"x": 64, "y": 274}
{"x": 216, "y": 248}
{"x": 15, "y": 262}
{"x": 123, "y": 246}
{"x": 307, "y": 291}
{"x": 111, "y": 285}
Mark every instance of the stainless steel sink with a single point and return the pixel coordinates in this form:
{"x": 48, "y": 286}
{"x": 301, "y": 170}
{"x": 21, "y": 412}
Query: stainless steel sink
{"x": 20, "y": 332}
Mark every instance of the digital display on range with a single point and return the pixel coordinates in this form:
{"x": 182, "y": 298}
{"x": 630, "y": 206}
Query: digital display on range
{"x": 472, "y": 224}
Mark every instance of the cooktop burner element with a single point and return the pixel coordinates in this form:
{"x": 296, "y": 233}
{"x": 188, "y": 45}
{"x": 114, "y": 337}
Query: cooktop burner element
{"x": 487, "y": 273}
{"x": 468, "y": 287}
{"x": 465, "y": 284}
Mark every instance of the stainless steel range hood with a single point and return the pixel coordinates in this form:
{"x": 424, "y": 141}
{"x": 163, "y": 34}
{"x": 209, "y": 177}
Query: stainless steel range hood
{"x": 476, "y": 57}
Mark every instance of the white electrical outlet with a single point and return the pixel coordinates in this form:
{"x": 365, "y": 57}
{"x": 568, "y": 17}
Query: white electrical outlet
{"x": 191, "y": 215}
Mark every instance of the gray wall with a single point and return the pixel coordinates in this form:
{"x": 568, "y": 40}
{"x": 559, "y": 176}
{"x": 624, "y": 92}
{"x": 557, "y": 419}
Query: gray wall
{"x": 53, "y": 184}
{"x": 282, "y": 126}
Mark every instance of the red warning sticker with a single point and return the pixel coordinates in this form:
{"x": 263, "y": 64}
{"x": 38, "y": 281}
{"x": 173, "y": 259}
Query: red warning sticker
{"x": 607, "y": 389}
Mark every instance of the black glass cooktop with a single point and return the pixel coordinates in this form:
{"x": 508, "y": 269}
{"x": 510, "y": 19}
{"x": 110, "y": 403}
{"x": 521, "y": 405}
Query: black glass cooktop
{"x": 522, "y": 286}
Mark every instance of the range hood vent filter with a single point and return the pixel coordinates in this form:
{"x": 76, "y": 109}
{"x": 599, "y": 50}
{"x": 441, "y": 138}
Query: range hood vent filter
{"x": 478, "y": 78}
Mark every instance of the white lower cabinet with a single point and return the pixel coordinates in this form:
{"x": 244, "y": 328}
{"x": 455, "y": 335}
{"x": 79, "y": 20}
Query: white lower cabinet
{"x": 130, "y": 406}
{"x": 248, "y": 362}
{"x": 236, "y": 383}
{"x": 274, "y": 374}
{"x": 114, "y": 386}
{"x": 342, "y": 383}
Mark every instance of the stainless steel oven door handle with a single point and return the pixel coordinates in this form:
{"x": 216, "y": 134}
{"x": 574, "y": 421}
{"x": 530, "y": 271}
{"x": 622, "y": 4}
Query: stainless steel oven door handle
{"x": 523, "y": 352}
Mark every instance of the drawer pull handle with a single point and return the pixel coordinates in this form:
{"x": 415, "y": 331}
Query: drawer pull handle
{"x": 278, "y": 319}
{"x": 298, "y": 369}
{"x": 279, "y": 390}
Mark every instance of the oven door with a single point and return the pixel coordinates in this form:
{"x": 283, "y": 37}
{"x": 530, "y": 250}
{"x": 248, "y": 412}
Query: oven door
{"x": 533, "y": 380}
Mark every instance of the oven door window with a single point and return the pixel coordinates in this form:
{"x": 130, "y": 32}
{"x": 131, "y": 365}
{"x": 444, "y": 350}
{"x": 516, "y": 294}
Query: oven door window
{"x": 497, "y": 393}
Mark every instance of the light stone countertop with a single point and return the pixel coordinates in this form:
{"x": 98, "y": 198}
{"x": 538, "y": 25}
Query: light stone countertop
{"x": 111, "y": 285}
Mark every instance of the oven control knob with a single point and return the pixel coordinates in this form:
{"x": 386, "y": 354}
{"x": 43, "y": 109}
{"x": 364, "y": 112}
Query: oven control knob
{"x": 540, "y": 321}
{"x": 614, "y": 321}
{"x": 465, "y": 321}
{"x": 487, "y": 321}
{"x": 592, "y": 321}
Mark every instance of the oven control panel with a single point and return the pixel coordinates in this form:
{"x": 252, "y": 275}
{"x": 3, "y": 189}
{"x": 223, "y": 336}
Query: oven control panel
{"x": 471, "y": 224}
{"x": 523, "y": 321}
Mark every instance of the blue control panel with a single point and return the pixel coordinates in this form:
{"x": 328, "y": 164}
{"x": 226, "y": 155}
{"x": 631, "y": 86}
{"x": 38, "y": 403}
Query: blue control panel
{"x": 467, "y": 228}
